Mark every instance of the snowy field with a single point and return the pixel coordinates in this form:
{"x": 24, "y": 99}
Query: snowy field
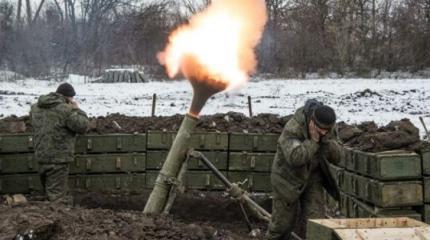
{"x": 387, "y": 99}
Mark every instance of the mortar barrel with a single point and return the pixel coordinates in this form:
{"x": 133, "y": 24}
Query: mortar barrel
{"x": 171, "y": 167}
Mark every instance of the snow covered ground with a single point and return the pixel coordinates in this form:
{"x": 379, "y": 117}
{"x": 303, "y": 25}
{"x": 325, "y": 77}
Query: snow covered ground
{"x": 385, "y": 99}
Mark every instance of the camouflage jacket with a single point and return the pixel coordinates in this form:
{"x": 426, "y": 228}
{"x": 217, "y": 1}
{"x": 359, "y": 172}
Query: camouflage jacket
{"x": 299, "y": 159}
{"x": 55, "y": 125}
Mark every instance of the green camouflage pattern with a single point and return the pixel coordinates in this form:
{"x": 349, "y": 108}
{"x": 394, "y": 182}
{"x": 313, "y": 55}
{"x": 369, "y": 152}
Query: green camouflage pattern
{"x": 55, "y": 125}
{"x": 298, "y": 164}
{"x": 54, "y": 180}
{"x": 285, "y": 214}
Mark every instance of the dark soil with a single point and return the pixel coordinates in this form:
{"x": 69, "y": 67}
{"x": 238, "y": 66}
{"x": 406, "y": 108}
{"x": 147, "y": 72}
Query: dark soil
{"x": 369, "y": 137}
{"x": 195, "y": 215}
{"x": 118, "y": 123}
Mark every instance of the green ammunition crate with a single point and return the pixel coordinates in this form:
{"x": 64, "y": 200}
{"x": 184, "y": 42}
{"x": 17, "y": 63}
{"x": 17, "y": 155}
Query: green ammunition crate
{"x": 111, "y": 143}
{"x": 425, "y": 157}
{"x": 426, "y": 213}
{"x": 248, "y": 161}
{"x": 202, "y": 180}
{"x": 16, "y": 143}
{"x": 389, "y": 194}
{"x": 107, "y": 163}
{"x": 349, "y": 184}
{"x": 349, "y": 159}
{"x": 426, "y": 183}
{"x": 19, "y": 183}
{"x": 108, "y": 182}
{"x": 253, "y": 142}
{"x": 343, "y": 204}
{"x": 337, "y": 174}
{"x": 155, "y": 160}
{"x": 18, "y": 163}
{"x": 389, "y": 165}
{"x": 369, "y": 211}
{"x": 200, "y": 141}
{"x": 253, "y": 182}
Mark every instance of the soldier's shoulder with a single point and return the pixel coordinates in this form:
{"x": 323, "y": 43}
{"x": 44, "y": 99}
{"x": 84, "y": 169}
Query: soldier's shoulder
{"x": 64, "y": 108}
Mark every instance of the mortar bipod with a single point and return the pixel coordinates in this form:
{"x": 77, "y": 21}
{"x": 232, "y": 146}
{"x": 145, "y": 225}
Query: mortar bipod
{"x": 233, "y": 189}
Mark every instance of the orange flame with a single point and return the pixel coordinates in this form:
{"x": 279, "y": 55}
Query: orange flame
{"x": 217, "y": 45}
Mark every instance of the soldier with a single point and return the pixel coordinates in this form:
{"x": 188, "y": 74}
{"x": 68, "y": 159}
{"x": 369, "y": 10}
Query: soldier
{"x": 299, "y": 170}
{"x": 56, "y": 119}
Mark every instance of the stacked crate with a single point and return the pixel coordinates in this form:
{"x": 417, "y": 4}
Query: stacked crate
{"x": 18, "y": 168}
{"x": 213, "y": 145}
{"x": 425, "y": 158}
{"x": 250, "y": 160}
{"x": 114, "y": 162}
{"x": 380, "y": 184}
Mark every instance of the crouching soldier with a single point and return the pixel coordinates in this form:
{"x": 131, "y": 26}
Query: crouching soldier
{"x": 300, "y": 169}
{"x": 56, "y": 119}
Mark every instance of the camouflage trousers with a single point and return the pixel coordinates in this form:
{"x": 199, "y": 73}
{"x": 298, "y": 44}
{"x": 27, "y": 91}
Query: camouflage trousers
{"x": 54, "y": 179}
{"x": 287, "y": 218}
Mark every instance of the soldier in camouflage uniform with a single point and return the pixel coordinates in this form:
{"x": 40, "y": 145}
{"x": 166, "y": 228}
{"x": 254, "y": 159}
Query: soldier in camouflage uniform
{"x": 56, "y": 119}
{"x": 300, "y": 171}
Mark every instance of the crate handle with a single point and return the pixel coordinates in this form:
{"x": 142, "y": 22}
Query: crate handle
{"x": 118, "y": 143}
{"x": 89, "y": 144}
{"x": 30, "y": 183}
{"x": 251, "y": 182}
{"x": 244, "y": 157}
{"x": 338, "y": 178}
{"x": 216, "y": 157}
{"x": 30, "y": 162}
{"x": 367, "y": 191}
{"x": 202, "y": 141}
{"x": 217, "y": 138}
{"x": 208, "y": 180}
{"x": 118, "y": 163}
{"x": 255, "y": 143}
{"x": 135, "y": 160}
{"x": 252, "y": 162}
{"x": 118, "y": 182}
{"x": 368, "y": 165}
{"x": 87, "y": 183}
{"x": 30, "y": 142}
{"x": 89, "y": 163}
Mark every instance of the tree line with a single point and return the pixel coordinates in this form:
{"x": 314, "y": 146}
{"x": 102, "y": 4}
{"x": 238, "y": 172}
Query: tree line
{"x": 45, "y": 37}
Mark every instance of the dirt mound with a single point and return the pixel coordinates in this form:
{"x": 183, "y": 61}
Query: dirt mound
{"x": 118, "y": 123}
{"x": 371, "y": 138}
{"x": 49, "y": 221}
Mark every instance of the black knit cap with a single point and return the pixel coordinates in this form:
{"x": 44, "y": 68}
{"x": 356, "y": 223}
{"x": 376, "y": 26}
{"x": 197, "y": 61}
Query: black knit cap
{"x": 66, "y": 90}
{"x": 324, "y": 117}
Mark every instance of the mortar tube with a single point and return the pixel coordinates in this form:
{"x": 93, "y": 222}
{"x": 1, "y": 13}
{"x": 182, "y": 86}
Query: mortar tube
{"x": 171, "y": 167}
